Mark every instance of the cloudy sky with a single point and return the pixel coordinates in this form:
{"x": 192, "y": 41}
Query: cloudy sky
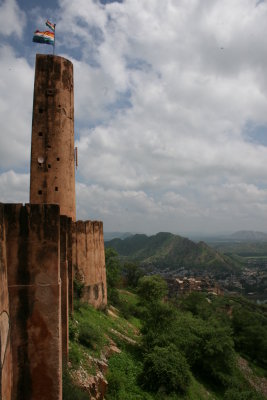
{"x": 170, "y": 109}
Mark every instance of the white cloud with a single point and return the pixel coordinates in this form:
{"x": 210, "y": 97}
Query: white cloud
{"x": 164, "y": 92}
{"x": 12, "y": 18}
{"x": 195, "y": 74}
{"x": 14, "y": 187}
{"x": 16, "y": 89}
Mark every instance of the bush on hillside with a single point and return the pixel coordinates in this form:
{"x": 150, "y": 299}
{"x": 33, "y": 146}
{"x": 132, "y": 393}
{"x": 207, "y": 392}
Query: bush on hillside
{"x": 165, "y": 368}
{"x": 152, "y": 288}
{"x": 250, "y": 329}
{"x": 132, "y": 273}
{"x": 89, "y": 335}
{"x": 75, "y": 355}
{"x": 73, "y": 329}
{"x": 236, "y": 394}
{"x": 113, "y": 269}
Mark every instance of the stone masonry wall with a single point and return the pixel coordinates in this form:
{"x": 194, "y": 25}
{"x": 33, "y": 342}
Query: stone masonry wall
{"x": 89, "y": 260}
{"x": 52, "y": 150}
{"x": 65, "y": 259}
{"x": 32, "y": 253}
{"x": 5, "y": 347}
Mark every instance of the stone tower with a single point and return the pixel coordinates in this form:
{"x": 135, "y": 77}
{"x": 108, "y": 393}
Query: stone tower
{"x": 52, "y": 151}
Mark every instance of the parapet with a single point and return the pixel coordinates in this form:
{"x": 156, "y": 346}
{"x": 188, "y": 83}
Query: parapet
{"x": 88, "y": 257}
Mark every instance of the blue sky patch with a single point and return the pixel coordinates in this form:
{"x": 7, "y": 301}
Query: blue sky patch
{"x": 256, "y": 133}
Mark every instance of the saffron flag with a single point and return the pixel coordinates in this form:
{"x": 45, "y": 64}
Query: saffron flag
{"x": 44, "y": 37}
{"x": 50, "y": 25}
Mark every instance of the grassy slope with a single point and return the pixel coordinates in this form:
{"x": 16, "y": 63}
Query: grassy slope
{"x": 125, "y": 367}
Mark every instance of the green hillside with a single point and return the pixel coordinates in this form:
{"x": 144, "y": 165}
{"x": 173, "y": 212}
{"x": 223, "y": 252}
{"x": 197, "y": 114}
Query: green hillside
{"x": 213, "y": 348}
{"x": 168, "y": 250}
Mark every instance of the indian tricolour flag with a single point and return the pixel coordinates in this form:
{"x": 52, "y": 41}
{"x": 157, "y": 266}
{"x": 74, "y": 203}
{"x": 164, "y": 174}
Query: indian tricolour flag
{"x": 44, "y": 37}
{"x": 50, "y": 25}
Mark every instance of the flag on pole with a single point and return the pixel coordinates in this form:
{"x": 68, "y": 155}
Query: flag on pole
{"x": 46, "y": 37}
{"x": 50, "y": 25}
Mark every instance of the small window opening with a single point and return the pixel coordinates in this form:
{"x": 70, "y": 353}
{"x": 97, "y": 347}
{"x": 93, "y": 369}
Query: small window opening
{"x": 49, "y": 165}
{"x": 48, "y": 146}
{"x": 50, "y": 92}
{"x": 58, "y": 158}
{"x": 41, "y": 111}
{"x": 56, "y": 189}
{"x": 40, "y": 133}
{"x": 40, "y": 192}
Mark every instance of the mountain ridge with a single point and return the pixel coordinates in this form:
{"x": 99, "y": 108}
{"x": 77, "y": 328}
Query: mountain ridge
{"x": 168, "y": 250}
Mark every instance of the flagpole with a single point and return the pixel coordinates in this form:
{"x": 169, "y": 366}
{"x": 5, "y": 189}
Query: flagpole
{"x": 54, "y": 45}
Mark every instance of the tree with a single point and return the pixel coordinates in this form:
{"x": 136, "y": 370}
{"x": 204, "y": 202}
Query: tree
{"x": 113, "y": 269}
{"x": 250, "y": 330}
{"x": 166, "y": 368}
{"x": 158, "y": 328}
{"x": 132, "y": 273}
{"x": 152, "y": 288}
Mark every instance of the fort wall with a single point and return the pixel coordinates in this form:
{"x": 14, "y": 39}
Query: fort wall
{"x": 5, "y": 345}
{"x": 89, "y": 260}
{"x": 65, "y": 246}
{"x": 32, "y": 253}
{"x": 41, "y": 246}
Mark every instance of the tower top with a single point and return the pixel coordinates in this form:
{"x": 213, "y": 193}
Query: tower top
{"x": 52, "y": 150}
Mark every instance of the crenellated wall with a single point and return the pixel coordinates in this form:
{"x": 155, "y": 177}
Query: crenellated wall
{"x": 34, "y": 285}
{"x": 89, "y": 260}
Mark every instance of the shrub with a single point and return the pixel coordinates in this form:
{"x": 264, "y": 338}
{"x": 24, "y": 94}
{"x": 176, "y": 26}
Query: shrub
{"x": 250, "y": 330}
{"x": 132, "y": 273}
{"x": 113, "y": 296}
{"x": 152, "y": 288}
{"x": 236, "y": 394}
{"x": 166, "y": 368}
{"x": 73, "y": 329}
{"x": 75, "y": 355}
{"x": 122, "y": 376}
{"x": 89, "y": 335}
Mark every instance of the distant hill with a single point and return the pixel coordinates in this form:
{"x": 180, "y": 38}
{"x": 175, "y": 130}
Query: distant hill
{"x": 249, "y": 236}
{"x": 173, "y": 251}
{"x": 114, "y": 235}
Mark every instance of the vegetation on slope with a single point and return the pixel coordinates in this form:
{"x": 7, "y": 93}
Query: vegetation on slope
{"x": 185, "y": 350}
{"x": 243, "y": 249}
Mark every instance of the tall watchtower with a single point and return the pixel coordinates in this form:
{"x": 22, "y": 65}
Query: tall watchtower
{"x": 52, "y": 151}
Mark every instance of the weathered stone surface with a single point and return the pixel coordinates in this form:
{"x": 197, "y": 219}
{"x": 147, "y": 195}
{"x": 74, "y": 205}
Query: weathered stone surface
{"x": 52, "y": 151}
{"x": 32, "y": 252}
{"x": 96, "y": 385}
{"x": 5, "y": 347}
{"x": 65, "y": 228}
{"x": 89, "y": 260}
